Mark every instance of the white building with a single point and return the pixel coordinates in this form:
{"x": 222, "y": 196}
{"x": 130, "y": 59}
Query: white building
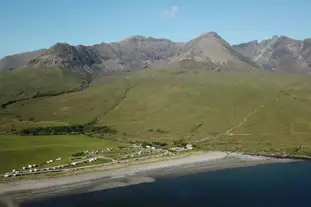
{"x": 189, "y": 146}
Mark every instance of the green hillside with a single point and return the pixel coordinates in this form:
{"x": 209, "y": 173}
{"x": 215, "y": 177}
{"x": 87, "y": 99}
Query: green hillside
{"x": 252, "y": 111}
{"x": 25, "y": 83}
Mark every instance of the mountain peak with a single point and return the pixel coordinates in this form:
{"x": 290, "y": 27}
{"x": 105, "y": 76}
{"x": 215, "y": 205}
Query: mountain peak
{"x": 275, "y": 37}
{"x": 254, "y": 42}
{"x": 60, "y": 44}
{"x": 210, "y": 48}
{"x": 59, "y": 48}
{"x": 137, "y": 38}
{"x": 211, "y": 34}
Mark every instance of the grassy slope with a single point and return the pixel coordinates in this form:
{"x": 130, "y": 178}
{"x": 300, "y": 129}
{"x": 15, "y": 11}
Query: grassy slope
{"x": 79, "y": 107}
{"x": 193, "y": 105}
{"x": 17, "y": 151}
{"x": 26, "y": 82}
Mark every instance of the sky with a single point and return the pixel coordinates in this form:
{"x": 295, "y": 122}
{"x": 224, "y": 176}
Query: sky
{"x": 27, "y": 25}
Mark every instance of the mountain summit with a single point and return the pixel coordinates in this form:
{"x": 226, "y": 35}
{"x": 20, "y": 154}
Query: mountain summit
{"x": 211, "y": 48}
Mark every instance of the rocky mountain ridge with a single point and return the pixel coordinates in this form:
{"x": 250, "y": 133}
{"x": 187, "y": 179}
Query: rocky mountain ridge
{"x": 278, "y": 53}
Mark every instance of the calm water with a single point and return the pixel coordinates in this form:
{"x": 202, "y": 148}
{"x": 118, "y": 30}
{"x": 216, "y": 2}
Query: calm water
{"x": 286, "y": 184}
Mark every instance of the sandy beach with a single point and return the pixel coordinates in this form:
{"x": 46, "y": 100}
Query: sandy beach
{"x": 18, "y": 191}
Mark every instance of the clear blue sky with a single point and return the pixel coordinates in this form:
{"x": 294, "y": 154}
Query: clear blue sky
{"x": 27, "y": 25}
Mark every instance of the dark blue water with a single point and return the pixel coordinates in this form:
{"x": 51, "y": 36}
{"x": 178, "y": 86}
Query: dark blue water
{"x": 286, "y": 184}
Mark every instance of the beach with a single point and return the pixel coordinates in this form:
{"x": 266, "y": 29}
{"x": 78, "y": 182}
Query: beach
{"x": 20, "y": 191}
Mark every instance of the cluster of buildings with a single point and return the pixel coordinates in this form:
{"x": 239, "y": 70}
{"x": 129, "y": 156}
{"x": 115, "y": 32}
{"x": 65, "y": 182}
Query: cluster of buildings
{"x": 90, "y": 157}
{"x": 98, "y": 151}
{"x": 84, "y": 161}
{"x": 32, "y": 169}
{"x": 187, "y": 147}
{"x": 143, "y": 151}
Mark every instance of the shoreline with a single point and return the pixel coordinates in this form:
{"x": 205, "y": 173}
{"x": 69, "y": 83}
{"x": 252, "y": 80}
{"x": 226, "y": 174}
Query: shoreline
{"x": 280, "y": 157}
{"x": 20, "y": 191}
{"x": 130, "y": 169}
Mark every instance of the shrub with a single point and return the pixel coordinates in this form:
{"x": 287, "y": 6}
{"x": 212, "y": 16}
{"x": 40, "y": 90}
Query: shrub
{"x": 31, "y": 119}
{"x": 180, "y": 143}
{"x": 73, "y": 129}
{"x": 78, "y": 154}
{"x": 159, "y": 143}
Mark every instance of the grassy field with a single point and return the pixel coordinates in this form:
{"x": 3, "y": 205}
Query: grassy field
{"x": 18, "y": 151}
{"x": 250, "y": 111}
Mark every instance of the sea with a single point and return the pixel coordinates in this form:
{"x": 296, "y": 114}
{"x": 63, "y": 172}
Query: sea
{"x": 281, "y": 184}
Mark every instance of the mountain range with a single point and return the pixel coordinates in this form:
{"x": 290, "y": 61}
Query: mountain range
{"x": 278, "y": 53}
{"x": 64, "y": 68}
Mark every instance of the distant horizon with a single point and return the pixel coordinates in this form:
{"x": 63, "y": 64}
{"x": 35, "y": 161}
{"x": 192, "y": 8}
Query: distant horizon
{"x": 39, "y": 24}
{"x": 279, "y": 35}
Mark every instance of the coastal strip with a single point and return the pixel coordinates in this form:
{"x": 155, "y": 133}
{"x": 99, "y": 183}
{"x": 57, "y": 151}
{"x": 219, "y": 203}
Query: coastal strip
{"x": 19, "y": 191}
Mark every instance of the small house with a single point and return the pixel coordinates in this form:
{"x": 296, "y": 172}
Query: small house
{"x": 189, "y": 146}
